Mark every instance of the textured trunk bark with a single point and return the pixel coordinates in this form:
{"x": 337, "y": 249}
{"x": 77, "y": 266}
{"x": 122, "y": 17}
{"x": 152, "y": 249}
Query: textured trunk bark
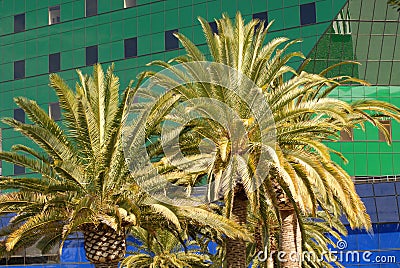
{"x": 104, "y": 247}
{"x": 291, "y": 240}
{"x": 272, "y": 255}
{"x": 236, "y": 248}
{"x": 258, "y": 238}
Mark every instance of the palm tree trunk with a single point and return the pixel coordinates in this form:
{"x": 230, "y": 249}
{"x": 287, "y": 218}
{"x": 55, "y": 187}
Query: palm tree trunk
{"x": 258, "y": 237}
{"x": 104, "y": 247}
{"x": 236, "y": 248}
{"x": 273, "y": 251}
{"x": 290, "y": 239}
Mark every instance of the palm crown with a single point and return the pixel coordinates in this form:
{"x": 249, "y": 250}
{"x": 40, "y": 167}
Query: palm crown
{"x": 302, "y": 178}
{"x": 85, "y": 184}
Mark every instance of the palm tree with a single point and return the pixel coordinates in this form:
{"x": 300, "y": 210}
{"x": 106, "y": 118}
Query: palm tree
{"x": 395, "y": 4}
{"x": 85, "y": 185}
{"x": 162, "y": 249}
{"x": 302, "y": 177}
{"x": 320, "y": 231}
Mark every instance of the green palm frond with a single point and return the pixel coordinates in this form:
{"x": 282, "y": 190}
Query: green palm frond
{"x": 162, "y": 248}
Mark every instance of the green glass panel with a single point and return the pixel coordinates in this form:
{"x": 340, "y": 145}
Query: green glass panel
{"x": 42, "y": 16}
{"x": 129, "y": 29}
{"x": 66, "y": 11}
{"x": 117, "y": 51}
{"x": 291, "y": 17}
{"x": 91, "y": 36}
{"x": 79, "y": 57}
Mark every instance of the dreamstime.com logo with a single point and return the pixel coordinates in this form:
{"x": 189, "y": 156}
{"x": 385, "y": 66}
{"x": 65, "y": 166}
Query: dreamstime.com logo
{"x": 339, "y": 254}
{"x": 198, "y": 95}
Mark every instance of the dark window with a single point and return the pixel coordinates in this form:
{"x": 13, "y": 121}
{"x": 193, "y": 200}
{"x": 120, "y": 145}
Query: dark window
{"x": 91, "y": 8}
{"x": 262, "y": 16}
{"x": 387, "y": 124}
{"x": 171, "y": 42}
{"x": 54, "y": 15}
{"x": 55, "y": 111}
{"x": 54, "y": 63}
{"x": 91, "y": 55}
{"x": 214, "y": 27}
{"x": 19, "y": 23}
{"x": 18, "y": 170}
{"x": 19, "y": 69}
{"x": 19, "y": 115}
{"x": 346, "y": 135}
{"x": 130, "y": 3}
{"x": 130, "y": 47}
{"x": 307, "y": 13}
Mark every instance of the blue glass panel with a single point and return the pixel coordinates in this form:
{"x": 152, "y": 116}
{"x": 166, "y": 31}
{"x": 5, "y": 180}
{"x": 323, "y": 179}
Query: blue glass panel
{"x": 388, "y": 228}
{"x": 371, "y": 209}
{"x": 387, "y": 209}
{"x": 81, "y": 265}
{"x": 389, "y": 240}
{"x": 212, "y": 247}
{"x": 82, "y": 252}
{"x": 71, "y": 252}
{"x": 364, "y": 190}
{"x": 344, "y": 220}
{"x": 5, "y": 219}
{"x": 398, "y": 187}
{"x": 368, "y": 241}
{"x": 352, "y": 242}
{"x": 385, "y": 188}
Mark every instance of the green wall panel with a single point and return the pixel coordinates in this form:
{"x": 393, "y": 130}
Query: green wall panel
{"x": 148, "y": 21}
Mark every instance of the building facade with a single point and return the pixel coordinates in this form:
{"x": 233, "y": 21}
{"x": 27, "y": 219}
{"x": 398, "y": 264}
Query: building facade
{"x": 45, "y": 36}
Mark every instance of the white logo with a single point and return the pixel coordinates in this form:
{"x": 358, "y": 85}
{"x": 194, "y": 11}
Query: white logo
{"x": 341, "y": 244}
